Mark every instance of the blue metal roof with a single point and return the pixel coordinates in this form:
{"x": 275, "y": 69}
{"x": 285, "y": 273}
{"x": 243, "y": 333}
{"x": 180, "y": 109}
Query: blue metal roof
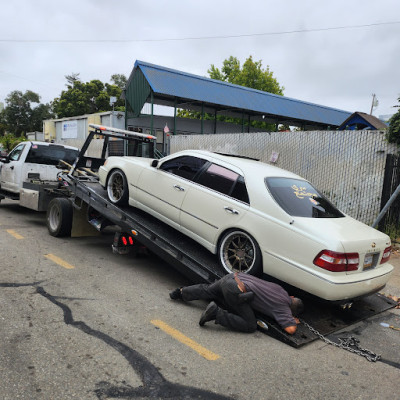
{"x": 170, "y": 82}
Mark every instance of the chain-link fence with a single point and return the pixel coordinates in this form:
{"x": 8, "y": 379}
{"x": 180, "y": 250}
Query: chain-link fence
{"x": 347, "y": 166}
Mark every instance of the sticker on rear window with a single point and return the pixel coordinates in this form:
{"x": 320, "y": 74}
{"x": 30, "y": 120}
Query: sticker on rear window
{"x": 301, "y": 192}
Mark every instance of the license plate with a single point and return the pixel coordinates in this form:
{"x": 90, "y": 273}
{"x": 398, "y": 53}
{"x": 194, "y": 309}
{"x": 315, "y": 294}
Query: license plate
{"x": 368, "y": 259}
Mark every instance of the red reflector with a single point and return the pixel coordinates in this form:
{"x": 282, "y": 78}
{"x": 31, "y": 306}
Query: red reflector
{"x": 130, "y": 240}
{"x": 102, "y": 128}
{"x": 124, "y": 241}
{"x": 337, "y": 262}
{"x": 386, "y": 254}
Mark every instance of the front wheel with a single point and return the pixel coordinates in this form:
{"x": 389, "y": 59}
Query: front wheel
{"x": 239, "y": 252}
{"x": 117, "y": 188}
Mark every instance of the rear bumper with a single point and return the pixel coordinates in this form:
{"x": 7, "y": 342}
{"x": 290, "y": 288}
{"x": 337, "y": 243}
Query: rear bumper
{"x": 327, "y": 285}
{"x": 337, "y": 291}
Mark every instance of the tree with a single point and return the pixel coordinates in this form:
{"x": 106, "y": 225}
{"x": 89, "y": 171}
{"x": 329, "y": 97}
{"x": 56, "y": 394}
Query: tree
{"x": 251, "y": 75}
{"x": 71, "y": 79}
{"x": 119, "y": 80}
{"x": 23, "y": 113}
{"x": 9, "y": 141}
{"x": 87, "y": 98}
{"x": 393, "y": 134}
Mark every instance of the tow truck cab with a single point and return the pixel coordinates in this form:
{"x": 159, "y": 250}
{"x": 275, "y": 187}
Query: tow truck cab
{"x": 37, "y": 160}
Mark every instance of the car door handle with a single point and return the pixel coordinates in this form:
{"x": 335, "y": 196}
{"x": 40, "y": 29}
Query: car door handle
{"x": 12, "y": 167}
{"x": 231, "y": 210}
{"x": 180, "y": 188}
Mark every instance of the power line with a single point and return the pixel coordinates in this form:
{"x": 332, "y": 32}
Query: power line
{"x": 26, "y": 79}
{"x": 196, "y": 38}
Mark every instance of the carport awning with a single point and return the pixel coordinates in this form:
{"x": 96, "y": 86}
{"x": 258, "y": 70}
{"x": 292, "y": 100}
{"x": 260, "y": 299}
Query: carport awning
{"x": 168, "y": 84}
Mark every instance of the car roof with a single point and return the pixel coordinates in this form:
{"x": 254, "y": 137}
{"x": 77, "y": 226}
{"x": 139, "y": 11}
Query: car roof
{"x": 35, "y": 142}
{"x": 247, "y": 165}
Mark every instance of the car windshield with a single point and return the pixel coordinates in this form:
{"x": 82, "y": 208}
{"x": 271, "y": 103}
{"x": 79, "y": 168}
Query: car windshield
{"x": 300, "y": 199}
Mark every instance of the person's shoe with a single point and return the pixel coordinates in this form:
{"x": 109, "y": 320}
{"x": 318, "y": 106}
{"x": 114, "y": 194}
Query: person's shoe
{"x": 176, "y": 294}
{"x": 209, "y": 313}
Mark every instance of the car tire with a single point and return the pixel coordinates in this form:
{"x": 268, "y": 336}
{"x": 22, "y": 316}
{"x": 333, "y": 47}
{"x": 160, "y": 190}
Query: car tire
{"x": 59, "y": 217}
{"x": 239, "y": 252}
{"x": 117, "y": 188}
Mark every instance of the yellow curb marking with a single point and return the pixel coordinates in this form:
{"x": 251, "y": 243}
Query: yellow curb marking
{"x": 207, "y": 354}
{"x": 14, "y": 234}
{"x": 59, "y": 261}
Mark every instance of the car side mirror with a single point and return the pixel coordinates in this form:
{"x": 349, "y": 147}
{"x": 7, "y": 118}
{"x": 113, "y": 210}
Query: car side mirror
{"x": 154, "y": 163}
{"x": 4, "y": 160}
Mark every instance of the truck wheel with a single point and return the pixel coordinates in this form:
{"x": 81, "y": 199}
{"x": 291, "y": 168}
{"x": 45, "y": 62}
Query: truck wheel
{"x": 239, "y": 252}
{"x": 59, "y": 217}
{"x": 117, "y": 188}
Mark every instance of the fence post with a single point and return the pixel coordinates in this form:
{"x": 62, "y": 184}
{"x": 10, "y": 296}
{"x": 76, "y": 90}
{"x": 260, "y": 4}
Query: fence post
{"x": 388, "y": 196}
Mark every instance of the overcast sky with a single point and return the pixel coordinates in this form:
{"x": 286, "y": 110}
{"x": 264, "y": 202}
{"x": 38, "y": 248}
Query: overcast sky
{"x": 334, "y": 53}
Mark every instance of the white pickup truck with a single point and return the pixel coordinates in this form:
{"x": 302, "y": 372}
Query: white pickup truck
{"x": 32, "y": 161}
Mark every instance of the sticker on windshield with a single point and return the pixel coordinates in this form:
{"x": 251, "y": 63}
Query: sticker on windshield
{"x": 301, "y": 192}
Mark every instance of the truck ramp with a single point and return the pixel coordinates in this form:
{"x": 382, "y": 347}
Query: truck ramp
{"x": 328, "y": 319}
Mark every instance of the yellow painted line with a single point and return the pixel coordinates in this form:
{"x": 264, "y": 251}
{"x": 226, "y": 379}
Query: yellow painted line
{"x": 207, "y": 354}
{"x": 14, "y": 234}
{"x": 59, "y": 261}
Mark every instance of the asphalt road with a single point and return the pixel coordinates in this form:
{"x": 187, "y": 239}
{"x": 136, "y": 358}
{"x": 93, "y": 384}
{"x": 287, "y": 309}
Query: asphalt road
{"x": 79, "y": 322}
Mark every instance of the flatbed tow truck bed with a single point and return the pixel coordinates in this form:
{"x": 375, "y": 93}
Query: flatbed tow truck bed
{"x": 200, "y": 266}
{"x": 197, "y": 263}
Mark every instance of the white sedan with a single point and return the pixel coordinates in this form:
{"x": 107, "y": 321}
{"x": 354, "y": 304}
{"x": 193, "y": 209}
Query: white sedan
{"x": 256, "y": 218}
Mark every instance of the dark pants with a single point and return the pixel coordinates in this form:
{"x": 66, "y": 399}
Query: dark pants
{"x": 240, "y": 316}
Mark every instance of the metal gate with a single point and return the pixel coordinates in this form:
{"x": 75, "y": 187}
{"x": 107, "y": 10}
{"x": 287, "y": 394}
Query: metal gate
{"x": 390, "y": 223}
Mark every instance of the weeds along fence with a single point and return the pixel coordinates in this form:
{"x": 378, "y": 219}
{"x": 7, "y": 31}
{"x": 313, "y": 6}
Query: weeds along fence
{"x": 347, "y": 166}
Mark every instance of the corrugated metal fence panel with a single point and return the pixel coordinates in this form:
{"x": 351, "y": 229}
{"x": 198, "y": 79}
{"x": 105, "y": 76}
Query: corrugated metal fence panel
{"x": 347, "y": 166}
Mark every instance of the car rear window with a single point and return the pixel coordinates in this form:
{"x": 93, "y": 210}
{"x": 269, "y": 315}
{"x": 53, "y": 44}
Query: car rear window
{"x": 300, "y": 199}
{"x": 51, "y": 154}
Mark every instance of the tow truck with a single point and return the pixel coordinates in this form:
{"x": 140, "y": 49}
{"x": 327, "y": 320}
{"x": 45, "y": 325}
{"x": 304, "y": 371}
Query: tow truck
{"x": 29, "y": 173}
{"x": 82, "y": 202}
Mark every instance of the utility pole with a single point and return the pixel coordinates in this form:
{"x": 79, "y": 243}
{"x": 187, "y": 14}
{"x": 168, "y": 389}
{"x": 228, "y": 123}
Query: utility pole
{"x": 374, "y": 103}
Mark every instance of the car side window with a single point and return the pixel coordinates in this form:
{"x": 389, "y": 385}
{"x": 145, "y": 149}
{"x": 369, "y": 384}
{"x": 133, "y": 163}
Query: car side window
{"x": 16, "y": 153}
{"x": 239, "y": 191}
{"x": 225, "y": 181}
{"x": 186, "y": 166}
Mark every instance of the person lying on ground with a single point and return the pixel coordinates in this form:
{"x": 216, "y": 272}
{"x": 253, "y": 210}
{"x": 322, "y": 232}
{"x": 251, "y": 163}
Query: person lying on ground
{"x": 242, "y": 294}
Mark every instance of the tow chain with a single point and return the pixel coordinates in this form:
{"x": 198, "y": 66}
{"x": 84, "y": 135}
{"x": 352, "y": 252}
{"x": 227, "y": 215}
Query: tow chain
{"x": 350, "y": 344}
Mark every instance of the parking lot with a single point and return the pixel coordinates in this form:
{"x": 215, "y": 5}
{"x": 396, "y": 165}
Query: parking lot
{"x": 79, "y": 322}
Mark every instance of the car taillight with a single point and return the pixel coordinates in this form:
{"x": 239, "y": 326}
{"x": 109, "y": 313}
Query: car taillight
{"x": 337, "y": 262}
{"x": 386, "y": 254}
